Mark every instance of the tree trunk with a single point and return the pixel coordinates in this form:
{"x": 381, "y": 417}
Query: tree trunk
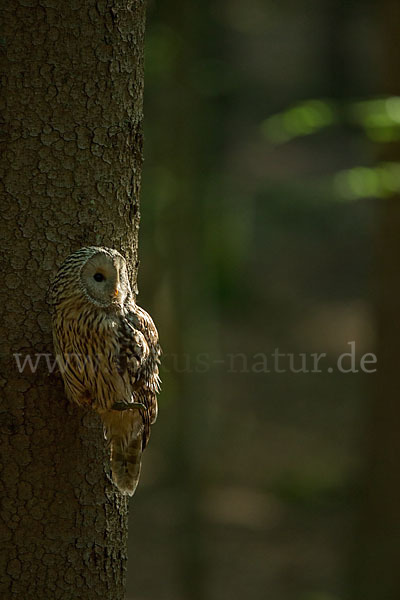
{"x": 377, "y": 562}
{"x": 70, "y": 165}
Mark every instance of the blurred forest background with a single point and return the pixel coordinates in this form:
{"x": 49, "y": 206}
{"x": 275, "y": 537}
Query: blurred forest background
{"x": 270, "y": 220}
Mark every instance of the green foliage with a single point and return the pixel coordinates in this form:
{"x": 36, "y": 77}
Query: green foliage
{"x": 379, "y": 120}
{"x": 369, "y": 182}
{"x": 302, "y": 119}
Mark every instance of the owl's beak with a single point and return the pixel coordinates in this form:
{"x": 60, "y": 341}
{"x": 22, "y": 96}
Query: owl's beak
{"x": 116, "y": 292}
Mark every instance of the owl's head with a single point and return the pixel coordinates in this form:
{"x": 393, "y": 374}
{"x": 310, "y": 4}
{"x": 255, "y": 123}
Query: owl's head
{"x": 104, "y": 278}
{"x": 98, "y": 275}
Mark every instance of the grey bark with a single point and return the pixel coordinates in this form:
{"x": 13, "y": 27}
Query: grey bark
{"x": 70, "y": 165}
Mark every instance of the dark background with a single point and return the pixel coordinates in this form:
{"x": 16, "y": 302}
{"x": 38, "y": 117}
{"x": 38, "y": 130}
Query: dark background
{"x": 266, "y": 125}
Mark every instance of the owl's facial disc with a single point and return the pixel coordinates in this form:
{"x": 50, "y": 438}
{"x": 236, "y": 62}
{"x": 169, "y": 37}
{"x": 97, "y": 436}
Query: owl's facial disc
{"x": 100, "y": 278}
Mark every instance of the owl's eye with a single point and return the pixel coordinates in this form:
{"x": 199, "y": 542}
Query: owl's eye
{"x": 98, "y": 277}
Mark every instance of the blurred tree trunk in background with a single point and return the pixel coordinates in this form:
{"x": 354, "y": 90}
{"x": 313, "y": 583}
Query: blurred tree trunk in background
{"x": 182, "y": 152}
{"x": 378, "y": 572}
{"x": 179, "y": 154}
{"x": 70, "y": 163}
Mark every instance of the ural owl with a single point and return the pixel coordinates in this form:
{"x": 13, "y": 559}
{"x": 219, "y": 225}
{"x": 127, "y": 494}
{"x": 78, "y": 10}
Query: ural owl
{"x": 108, "y": 352}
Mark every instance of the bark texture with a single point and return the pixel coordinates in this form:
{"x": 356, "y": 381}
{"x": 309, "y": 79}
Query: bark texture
{"x": 70, "y": 167}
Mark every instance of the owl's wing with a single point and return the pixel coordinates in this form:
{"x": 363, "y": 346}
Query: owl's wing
{"x": 139, "y": 359}
{"x": 133, "y": 351}
{"x": 75, "y": 371}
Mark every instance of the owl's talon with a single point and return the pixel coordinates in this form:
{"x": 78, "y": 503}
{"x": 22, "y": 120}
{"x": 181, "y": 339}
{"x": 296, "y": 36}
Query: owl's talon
{"x": 127, "y": 406}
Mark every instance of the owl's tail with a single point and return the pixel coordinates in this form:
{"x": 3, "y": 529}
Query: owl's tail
{"x": 123, "y": 431}
{"x": 126, "y": 464}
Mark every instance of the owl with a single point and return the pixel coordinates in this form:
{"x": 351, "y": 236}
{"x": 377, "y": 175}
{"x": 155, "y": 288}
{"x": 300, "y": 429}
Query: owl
{"x": 108, "y": 352}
